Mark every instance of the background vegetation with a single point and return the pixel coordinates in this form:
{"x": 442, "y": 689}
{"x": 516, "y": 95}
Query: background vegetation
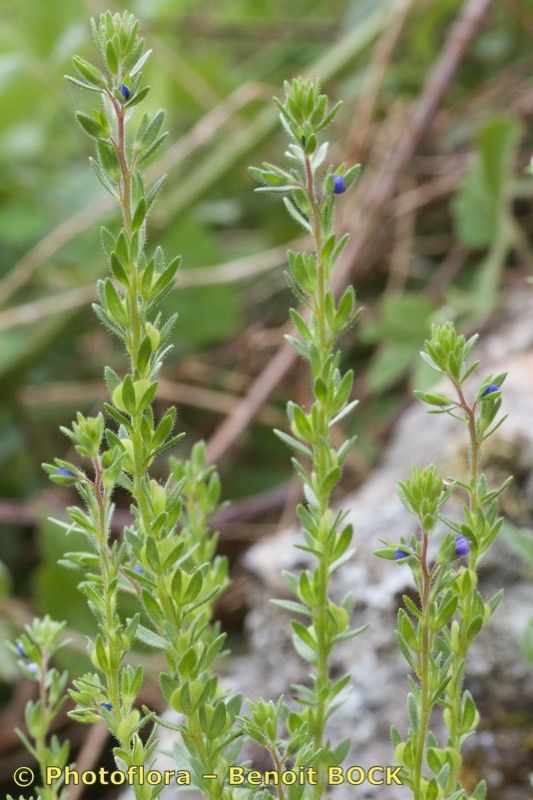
{"x": 440, "y": 220}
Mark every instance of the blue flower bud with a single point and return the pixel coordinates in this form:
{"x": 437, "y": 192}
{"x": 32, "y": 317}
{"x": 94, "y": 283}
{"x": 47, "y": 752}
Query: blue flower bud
{"x": 138, "y": 569}
{"x": 124, "y": 91}
{"x": 462, "y": 546}
{"x": 492, "y": 387}
{"x": 20, "y": 650}
{"x": 399, "y": 553}
{"x": 107, "y": 706}
{"x": 339, "y": 184}
{"x": 63, "y": 472}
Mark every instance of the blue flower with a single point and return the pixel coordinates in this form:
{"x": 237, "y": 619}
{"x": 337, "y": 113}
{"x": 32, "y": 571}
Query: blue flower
{"x": 107, "y": 706}
{"x": 124, "y": 91}
{"x": 462, "y": 546}
{"x": 63, "y": 472}
{"x": 339, "y": 184}
{"x": 138, "y": 569}
{"x": 399, "y": 553}
{"x": 20, "y": 650}
{"x": 33, "y": 668}
{"x": 492, "y": 387}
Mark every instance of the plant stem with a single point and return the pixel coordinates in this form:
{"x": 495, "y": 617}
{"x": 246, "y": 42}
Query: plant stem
{"x": 214, "y": 790}
{"x": 278, "y": 765}
{"x": 324, "y": 343}
{"x": 114, "y": 647}
{"x": 48, "y": 791}
{"x": 474, "y": 447}
{"x": 108, "y": 575}
{"x": 425, "y": 697}
{"x": 320, "y": 610}
{"x": 124, "y": 168}
{"x": 134, "y": 316}
{"x": 465, "y": 604}
{"x": 320, "y": 309}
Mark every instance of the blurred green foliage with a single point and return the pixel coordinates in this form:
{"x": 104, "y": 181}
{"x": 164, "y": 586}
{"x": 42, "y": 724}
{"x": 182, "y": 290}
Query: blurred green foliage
{"x": 399, "y": 328}
{"x": 520, "y": 540}
{"x": 482, "y": 207}
{"x": 204, "y": 53}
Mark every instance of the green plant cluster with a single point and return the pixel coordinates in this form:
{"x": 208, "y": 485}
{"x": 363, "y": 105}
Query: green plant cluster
{"x": 165, "y": 559}
{"x": 35, "y": 649}
{"x": 309, "y": 194}
{"x": 176, "y": 580}
{"x": 436, "y": 633}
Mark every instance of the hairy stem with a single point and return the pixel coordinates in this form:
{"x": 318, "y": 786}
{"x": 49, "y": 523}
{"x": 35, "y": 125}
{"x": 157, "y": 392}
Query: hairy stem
{"x": 320, "y": 613}
{"x": 48, "y": 791}
{"x": 424, "y": 677}
{"x": 465, "y": 604}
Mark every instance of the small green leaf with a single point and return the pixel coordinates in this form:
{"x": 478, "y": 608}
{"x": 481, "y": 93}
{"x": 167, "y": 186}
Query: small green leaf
{"x": 303, "y": 633}
{"x": 139, "y": 215}
{"x": 292, "y": 442}
{"x": 111, "y": 57}
{"x": 89, "y": 71}
{"x": 90, "y": 125}
{"x": 150, "y": 638}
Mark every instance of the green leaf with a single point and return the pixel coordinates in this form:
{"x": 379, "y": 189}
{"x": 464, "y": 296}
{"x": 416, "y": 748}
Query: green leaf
{"x": 411, "y": 605}
{"x": 480, "y": 792}
{"x": 188, "y": 663}
{"x": 111, "y": 57}
{"x": 139, "y": 64}
{"x": 128, "y": 395}
{"x": 345, "y": 308}
{"x": 343, "y": 542}
{"x": 433, "y": 399}
{"x": 414, "y": 716}
{"x": 295, "y": 214}
{"x": 193, "y": 587}
{"x": 90, "y": 125}
{"x": 89, "y": 71}
{"x": 303, "y": 633}
{"x": 477, "y": 206}
{"x": 167, "y": 276}
{"x": 152, "y": 129}
{"x": 292, "y": 606}
{"x": 385, "y": 552}
{"x": 138, "y": 97}
{"x": 292, "y": 442}
{"x": 300, "y": 324}
{"x": 152, "y": 606}
{"x": 101, "y": 654}
{"x": 218, "y": 721}
{"x": 114, "y": 305}
{"x": 150, "y": 151}
{"x": 82, "y": 85}
{"x": 150, "y": 638}
{"x": 302, "y": 424}
{"x": 165, "y": 426}
{"x": 117, "y": 270}
{"x": 434, "y": 760}
{"x": 139, "y": 215}
{"x": 468, "y": 712}
{"x": 331, "y": 480}
{"x": 108, "y": 158}
{"x": 432, "y": 790}
{"x": 300, "y": 347}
